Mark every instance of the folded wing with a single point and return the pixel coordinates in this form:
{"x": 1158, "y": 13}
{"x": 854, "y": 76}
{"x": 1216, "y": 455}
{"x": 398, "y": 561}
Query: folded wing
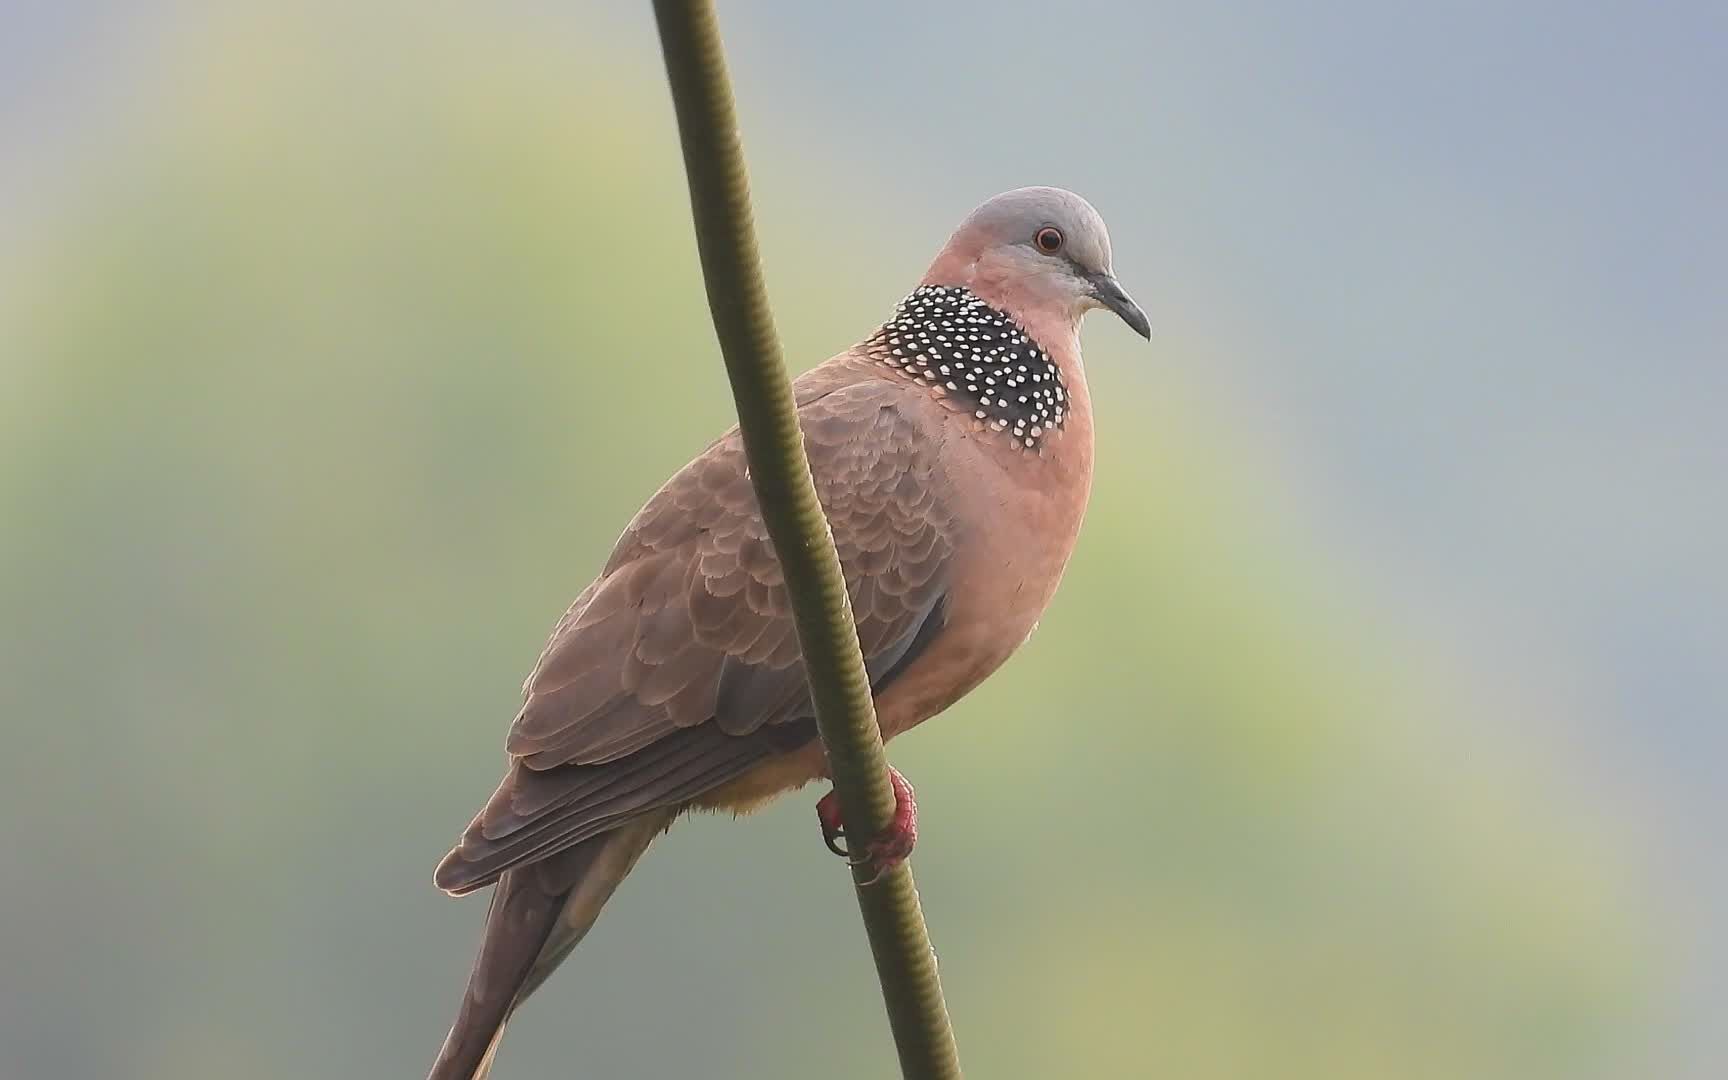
{"x": 678, "y": 668}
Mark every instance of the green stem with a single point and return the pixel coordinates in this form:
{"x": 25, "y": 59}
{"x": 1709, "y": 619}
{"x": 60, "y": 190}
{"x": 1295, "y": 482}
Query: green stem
{"x": 768, "y": 421}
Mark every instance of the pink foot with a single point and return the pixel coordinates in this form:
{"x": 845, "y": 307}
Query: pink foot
{"x": 885, "y": 851}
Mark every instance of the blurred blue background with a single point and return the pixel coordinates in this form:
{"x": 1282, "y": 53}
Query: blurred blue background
{"x": 1377, "y": 731}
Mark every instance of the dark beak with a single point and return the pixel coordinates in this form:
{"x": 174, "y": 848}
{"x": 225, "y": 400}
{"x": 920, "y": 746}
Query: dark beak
{"x": 1109, "y": 293}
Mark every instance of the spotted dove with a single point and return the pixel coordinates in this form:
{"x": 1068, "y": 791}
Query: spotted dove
{"x": 952, "y": 451}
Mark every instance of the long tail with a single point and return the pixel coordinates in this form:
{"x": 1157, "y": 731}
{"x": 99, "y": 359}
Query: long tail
{"x": 538, "y": 914}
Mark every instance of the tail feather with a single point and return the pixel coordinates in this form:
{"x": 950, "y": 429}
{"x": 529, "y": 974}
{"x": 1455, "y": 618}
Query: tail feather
{"x": 538, "y": 914}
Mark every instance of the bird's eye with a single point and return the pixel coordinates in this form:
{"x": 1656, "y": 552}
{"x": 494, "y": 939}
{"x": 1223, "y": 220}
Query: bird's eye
{"x": 1048, "y": 239}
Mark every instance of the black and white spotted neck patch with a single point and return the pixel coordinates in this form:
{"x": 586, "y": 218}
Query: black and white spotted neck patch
{"x": 973, "y": 354}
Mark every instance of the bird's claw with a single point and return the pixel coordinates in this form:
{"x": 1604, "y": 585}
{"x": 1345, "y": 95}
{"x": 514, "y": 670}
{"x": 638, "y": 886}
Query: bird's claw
{"x": 888, "y": 849}
{"x": 832, "y": 831}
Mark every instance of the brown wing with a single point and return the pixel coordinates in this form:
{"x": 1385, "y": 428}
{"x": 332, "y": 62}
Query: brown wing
{"x": 678, "y": 669}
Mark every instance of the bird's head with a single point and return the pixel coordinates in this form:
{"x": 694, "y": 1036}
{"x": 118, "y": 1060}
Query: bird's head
{"x": 1041, "y": 254}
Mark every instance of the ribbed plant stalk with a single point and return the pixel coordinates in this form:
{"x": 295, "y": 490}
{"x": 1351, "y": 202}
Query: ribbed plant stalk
{"x": 780, "y": 472}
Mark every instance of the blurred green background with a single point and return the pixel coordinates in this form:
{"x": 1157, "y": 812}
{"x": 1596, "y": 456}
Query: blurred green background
{"x": 1375, "y": 733}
